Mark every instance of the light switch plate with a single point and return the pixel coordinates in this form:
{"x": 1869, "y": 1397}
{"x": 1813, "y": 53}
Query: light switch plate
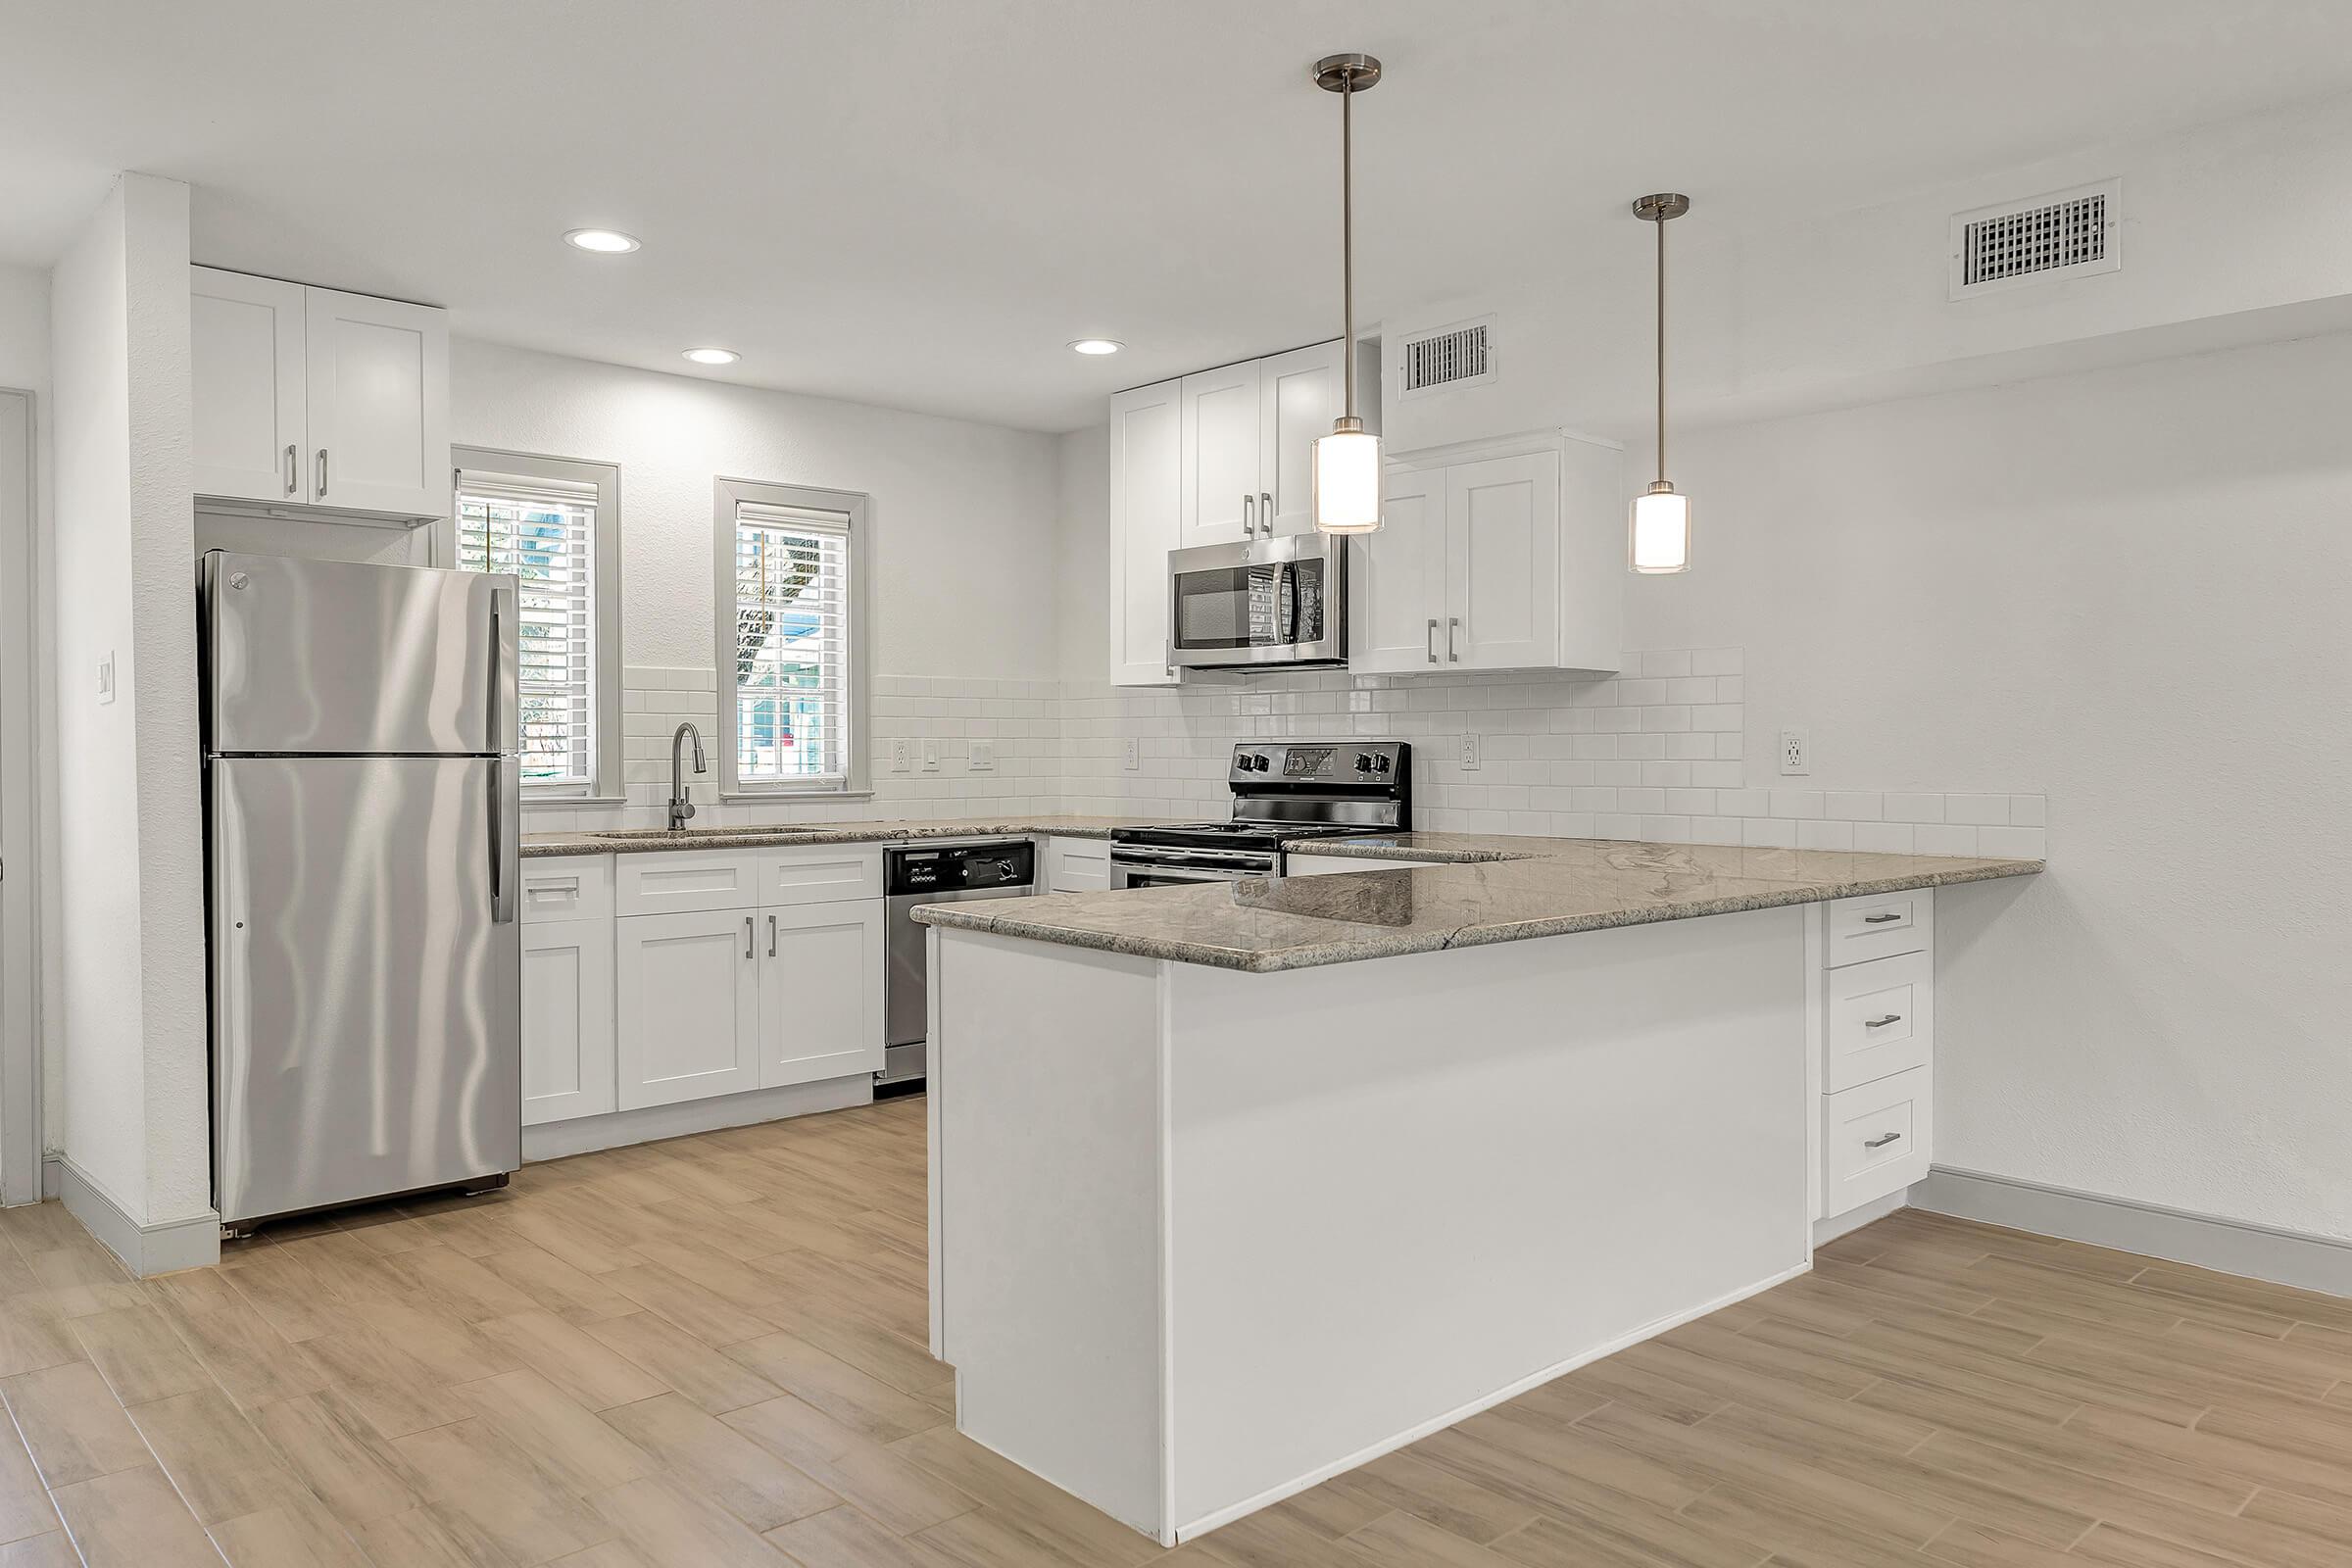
{"x": 105, "y": 678}
{"x": 981, "y": 756}
{"x": 1131, "y": 753}
{"x": 930, "y": 757}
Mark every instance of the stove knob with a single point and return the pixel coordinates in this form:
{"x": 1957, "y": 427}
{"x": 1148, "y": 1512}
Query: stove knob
{"x": 1255, "y": 760}
{"x": 1380, "y": 764}
{"x": 1363, "y": 762}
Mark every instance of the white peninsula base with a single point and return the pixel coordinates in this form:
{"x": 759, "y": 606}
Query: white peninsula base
{"x": 1202, "y": 1239}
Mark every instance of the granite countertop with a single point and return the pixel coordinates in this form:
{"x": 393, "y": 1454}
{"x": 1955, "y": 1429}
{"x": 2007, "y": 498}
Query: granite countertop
{"x": 638, "y": 841}
{"x": 1503, "y": 890}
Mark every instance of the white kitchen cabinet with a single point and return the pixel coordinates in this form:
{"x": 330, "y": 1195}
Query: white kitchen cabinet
{"x": 313, "y": 397}
{"x": 820, "y": 992}
{"x": 1493, "y": 555}
{"x": 1872, "y": 1013}
{"x": 1299, "y": 395}
{"x": 568, "y": 1016}
{"x": 246, "y": 354}
{"x": 687, "y": 987}
{"x": 1147, "y": 489}
{"x": 1076, "y": 865}
{"x": 1222, "y": 440}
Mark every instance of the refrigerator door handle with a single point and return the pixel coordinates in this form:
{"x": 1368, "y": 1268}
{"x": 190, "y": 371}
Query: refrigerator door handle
{"x": 506, "y": 813}
{"x": 502, "y": 666}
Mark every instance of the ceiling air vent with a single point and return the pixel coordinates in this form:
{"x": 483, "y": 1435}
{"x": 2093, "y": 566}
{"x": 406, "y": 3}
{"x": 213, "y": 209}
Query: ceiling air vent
{"x": 2068, "y": 233}
{"x": 1451, "y": 357}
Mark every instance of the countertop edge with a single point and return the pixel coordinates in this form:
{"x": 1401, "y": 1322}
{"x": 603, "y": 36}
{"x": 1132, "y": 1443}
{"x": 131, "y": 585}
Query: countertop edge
{"x": 965, "y": 917}
{"x": 553, "y": 846}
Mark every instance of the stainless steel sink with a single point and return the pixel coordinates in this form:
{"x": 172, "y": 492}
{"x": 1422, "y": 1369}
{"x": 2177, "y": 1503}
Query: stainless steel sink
{"x": 689, "y": 834}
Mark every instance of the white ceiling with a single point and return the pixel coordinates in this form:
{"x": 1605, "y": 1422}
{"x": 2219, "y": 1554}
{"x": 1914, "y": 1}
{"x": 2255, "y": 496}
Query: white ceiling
{"x": 917, "y": 202}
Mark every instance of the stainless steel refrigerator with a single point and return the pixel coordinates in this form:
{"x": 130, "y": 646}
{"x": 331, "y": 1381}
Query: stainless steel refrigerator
{"x": 361, "y": 804}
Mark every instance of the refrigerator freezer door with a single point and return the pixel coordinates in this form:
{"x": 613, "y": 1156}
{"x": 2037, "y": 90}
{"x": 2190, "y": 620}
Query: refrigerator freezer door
{"x": 367, "y": 1026}
{"x": 342, "y": 658}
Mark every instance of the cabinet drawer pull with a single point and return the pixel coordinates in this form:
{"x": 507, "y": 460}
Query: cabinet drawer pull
{"x": 1880, "y": 1143}
{"x": 1881, "y": 1023}
{"x": 1881, "y": 920}
{"x": 747, "y": 936}
{"x": 1433, "y": 640}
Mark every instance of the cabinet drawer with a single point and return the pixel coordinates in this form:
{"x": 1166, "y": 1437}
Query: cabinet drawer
{"x": 820, "y": 875}
{"x": 682, "y": 881}
{"x": 1879, "y": 926}
{"x": 1880, "y": 1019}
{"x": 576, "y": 887}
{"x": 1876, "y": 1139}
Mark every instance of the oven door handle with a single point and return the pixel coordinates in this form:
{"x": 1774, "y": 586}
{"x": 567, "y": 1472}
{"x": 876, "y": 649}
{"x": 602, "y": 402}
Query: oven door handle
{"x": 1153, "y": 854}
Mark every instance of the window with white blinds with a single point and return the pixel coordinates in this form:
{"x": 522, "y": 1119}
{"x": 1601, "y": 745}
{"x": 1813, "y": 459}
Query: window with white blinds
{"x": 544, "y": 529}
{"x": 793, "y": 655}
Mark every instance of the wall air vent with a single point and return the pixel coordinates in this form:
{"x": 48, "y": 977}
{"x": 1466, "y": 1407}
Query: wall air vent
{"x": 1456, "y": 355}
{"x": 2068, "y": 233}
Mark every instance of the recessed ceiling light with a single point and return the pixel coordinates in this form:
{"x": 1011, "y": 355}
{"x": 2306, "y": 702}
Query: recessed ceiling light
{"x": 1098, "y": 345}
{"x": 602, "y": 241}
{"x": 712, "y": 356}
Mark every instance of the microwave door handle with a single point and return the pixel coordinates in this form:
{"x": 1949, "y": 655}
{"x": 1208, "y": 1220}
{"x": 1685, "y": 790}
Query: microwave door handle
{"x": 1287, "y": 605}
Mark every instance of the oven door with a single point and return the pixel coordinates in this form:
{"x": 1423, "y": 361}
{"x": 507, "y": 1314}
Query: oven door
{"x": 1268, "y": 602}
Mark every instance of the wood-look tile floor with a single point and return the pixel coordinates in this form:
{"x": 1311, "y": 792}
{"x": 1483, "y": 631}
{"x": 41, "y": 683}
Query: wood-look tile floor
{"x": 710, "y": 1352}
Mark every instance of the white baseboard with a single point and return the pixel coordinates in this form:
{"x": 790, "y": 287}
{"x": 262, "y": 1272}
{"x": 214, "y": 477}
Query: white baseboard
{"x": 2207, "y": 1241}
{"x": 1829, "y": 1230}
{"x": 145, "y": 1249}
{"x": 583, "y": 1135}
{"x": 1510, "y": 1391}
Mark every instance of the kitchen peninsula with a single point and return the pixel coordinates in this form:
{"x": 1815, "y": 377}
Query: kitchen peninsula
{"x": 1291, "y": 1171}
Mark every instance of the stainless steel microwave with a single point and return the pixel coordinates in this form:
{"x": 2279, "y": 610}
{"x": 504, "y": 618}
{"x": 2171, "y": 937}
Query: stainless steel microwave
{"x": 1260, "y": 602}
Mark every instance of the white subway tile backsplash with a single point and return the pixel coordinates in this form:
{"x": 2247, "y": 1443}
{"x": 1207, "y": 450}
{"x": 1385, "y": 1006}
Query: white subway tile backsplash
{"x": 1654, "y": 753}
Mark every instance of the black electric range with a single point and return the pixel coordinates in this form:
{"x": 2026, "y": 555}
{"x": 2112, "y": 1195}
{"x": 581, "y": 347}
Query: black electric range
{"x": 1281, "y": 791}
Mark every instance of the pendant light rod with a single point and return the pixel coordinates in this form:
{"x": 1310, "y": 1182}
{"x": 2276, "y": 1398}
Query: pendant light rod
{"x": 1657, "y": 210}
{"x": 1347, "y": 75}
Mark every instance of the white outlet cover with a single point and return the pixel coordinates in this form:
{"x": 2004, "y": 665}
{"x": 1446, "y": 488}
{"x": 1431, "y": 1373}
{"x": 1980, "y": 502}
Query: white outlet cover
{"x": 902, "y": 754}
{"x": 1132, "y": 754}
{"x": 1796, "y": 753}
{"x": 1469, "y": 750}
{"x": 982, "y": 758}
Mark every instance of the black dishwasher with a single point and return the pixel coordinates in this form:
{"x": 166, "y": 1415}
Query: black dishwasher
{"x": 936, "y": 872}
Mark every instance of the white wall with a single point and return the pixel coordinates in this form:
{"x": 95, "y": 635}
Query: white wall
{"x": 127, "y": 866}
{"x": 2129, "y": 590}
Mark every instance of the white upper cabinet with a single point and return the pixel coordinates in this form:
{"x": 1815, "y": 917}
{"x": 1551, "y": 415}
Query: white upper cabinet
{"x": 378, "y": 394}
{"x": 1300, "y": 394}
{"x": 1222, "y": 421}
{"x": 310, "y": 397}
{"x": 1504, "y": 554}
{"x": 1146, "y": 462}
{"x": 246, "y": 341}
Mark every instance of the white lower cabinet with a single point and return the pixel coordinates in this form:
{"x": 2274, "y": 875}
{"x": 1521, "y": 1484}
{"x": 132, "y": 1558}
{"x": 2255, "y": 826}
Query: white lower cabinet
{"x": 1874, "y": 1022}
{"x": 566, "y": 1020}
{"x": 1076, "y": 865}
{"x": 688, "y": 993}
{"x": 820, "y": 992}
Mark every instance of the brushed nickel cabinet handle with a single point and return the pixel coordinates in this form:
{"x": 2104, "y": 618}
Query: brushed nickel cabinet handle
{"x": 747, "y": 936}
{"x": 1881, "y": 1023}
{"x": 1879, "y": 919}
{"x": 1453, "y": 637}
{"x": 1880, "y": 1143}
{"x": 1265, "y": 512}
{"x": 771, "y": 936}
{"x": 293, "y": 468}
{"x": 1433, "y": 640}
{"x": 1249, "y": 516}
{"x": 322, "y": 474}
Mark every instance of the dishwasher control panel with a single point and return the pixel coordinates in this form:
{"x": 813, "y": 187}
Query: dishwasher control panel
{"x": 916, "y": 870}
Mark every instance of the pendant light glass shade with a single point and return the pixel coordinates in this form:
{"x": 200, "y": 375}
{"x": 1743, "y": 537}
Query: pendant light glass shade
{"x": 1347, "y": 481}
{"x": 1347, "y": 462}
{"x": 1660, "y": 538}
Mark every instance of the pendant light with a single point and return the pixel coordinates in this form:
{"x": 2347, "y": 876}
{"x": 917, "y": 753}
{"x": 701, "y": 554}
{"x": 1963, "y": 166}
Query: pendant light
{"x": 1659, "y": 539}
{"x": 1347, "y": 462}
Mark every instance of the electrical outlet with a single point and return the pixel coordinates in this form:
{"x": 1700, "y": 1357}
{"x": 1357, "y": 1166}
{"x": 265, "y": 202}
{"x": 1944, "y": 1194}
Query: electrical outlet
{"x": 902, "y": 753}
{"x": 930, "y": 757}
{"x": 1469, "y": 750}
{"x": 1796, "y": 751}
{"x": 105, "y": 678}
{"x": 1131, "y": 753}
{"x": 982, "y": 758}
